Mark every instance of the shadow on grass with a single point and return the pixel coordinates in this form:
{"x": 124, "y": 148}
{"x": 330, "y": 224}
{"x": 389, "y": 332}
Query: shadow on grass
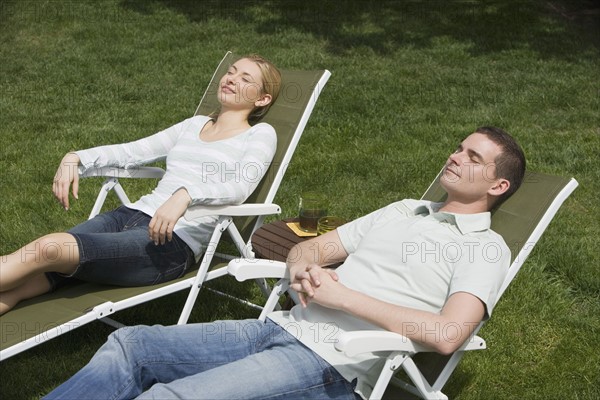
{"x": 384, "y": 26}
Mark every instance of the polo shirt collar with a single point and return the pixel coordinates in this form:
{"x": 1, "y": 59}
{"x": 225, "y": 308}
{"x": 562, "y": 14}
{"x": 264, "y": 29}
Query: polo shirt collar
{"x": 466, "y": 223}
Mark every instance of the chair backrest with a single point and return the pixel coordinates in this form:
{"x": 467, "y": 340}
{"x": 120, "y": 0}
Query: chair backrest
{"x": 520, "y": 220}
{"x": 288, "y": 115}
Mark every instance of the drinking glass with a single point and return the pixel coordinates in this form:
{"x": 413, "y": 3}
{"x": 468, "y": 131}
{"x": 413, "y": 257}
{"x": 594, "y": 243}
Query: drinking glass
{"x": 329, "y": 223}
{"x": 312, "y": 207}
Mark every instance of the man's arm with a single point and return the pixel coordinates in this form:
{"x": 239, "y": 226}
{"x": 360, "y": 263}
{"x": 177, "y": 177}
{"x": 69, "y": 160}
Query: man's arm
{"x": 444, "y": 332}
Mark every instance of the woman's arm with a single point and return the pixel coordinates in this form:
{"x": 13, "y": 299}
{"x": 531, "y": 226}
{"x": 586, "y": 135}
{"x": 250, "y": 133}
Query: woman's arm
{"x": 133, "y": 154}
{"x": 160, "y": 228}
{"x": 123, "y": 155}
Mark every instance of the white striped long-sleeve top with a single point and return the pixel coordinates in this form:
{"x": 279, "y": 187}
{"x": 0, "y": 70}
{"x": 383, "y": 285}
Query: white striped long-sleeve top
{"x": 214, "y": 173}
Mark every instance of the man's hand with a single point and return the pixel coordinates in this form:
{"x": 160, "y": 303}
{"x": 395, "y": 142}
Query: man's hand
{"x": 162, "y": 224}
{"x": 312, "y": 284}
{"x": 306, "y": 259}
{"x": 66, "y": 173}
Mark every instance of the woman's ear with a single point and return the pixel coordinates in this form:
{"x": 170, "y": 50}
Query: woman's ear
{"x": 263, "y": 101}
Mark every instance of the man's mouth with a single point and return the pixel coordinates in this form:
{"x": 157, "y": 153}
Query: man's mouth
{"x": 452, "y": 171}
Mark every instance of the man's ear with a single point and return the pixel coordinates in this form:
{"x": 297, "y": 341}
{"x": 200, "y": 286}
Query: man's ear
{"x": 500, "y": 187}
{"x": 263, "y": 101}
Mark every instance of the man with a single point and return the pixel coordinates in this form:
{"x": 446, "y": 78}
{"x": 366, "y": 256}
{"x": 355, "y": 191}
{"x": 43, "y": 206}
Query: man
{"x": 429, "y": 271}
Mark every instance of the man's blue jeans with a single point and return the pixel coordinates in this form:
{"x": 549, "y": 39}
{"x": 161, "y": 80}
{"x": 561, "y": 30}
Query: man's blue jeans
{"x": 247, "y": 359}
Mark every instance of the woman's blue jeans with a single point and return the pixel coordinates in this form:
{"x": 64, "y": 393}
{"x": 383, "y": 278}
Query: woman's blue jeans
{"x": 247, "y": 359}
{"x": 115, "y": 248}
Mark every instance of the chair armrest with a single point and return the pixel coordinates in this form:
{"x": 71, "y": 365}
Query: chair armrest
{"x": 358, "y": 342}
{"x": 244, "y": 268}
{"x": 240, "y": 210}
{"x": 114, "y": 172}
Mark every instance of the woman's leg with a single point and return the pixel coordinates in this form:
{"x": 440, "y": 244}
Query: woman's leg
{"x": 35, "y": 286}
{"x": 22, "y": 273}
{"x": 130, "y": 258}
{"x": 55, "y": 252}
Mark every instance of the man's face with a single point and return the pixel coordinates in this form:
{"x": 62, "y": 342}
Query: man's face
{"x": 470, "y": 171}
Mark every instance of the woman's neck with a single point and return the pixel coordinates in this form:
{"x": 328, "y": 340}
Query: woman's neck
{"x": 230, "y": 119}
{"x": 227, "y": 124}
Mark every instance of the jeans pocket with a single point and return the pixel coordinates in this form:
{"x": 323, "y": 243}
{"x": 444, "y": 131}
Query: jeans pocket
{"x": 138, "y": 220}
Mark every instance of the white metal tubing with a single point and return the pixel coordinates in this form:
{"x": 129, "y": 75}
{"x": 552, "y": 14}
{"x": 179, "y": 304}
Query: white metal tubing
{"x": 220, "y": 227}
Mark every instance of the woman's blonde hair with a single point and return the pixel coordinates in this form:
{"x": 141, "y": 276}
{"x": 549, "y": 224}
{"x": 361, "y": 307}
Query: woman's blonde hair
{"x": 271, "y": 84}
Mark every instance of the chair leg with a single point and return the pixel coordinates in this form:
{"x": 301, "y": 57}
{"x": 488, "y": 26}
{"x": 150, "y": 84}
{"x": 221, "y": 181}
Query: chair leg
{"x": 203, "y": 270}
{"x": 272, "y": 299}
{"x": 392, "y": 363}
{"x": 448, "y": 370}
{"x": 108, "y": 185}
{"x": 423, "y": 388}
{"x": 245, "y": 250}
{"x": 120, "y": 192}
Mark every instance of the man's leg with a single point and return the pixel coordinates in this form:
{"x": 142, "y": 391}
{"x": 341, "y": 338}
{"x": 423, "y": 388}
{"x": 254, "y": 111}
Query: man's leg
{"x": 280, "y": 368}
{"x": 135, "y": 358}
{"x": 201, "y": 361}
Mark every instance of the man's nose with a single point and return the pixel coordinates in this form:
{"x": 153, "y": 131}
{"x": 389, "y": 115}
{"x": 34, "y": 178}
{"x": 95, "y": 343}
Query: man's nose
{"x": 456, "y": 158}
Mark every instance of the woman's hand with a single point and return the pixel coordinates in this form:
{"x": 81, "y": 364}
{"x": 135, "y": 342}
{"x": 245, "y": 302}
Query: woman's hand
{"x": 66, "y": 174}
{"x": 161, "y": 225}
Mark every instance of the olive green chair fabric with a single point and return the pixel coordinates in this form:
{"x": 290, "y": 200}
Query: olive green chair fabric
{"x": 520, "y": 220}
{"x": 37, "y": 320}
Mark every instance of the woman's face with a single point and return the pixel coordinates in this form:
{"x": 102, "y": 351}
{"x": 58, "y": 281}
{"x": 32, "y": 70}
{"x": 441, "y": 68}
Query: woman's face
{"x": 241, "y": 86}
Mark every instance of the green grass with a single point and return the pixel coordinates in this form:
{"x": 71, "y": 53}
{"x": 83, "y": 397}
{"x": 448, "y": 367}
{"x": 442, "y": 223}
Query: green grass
{"x": 410, "y": 79}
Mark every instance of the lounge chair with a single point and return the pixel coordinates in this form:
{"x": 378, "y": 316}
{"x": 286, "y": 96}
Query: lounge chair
{"x": 37, "y": 320}
{"x": 521, "y": 220}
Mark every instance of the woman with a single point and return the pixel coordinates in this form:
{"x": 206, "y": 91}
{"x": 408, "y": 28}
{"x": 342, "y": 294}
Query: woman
{"x": 211, "y": 160}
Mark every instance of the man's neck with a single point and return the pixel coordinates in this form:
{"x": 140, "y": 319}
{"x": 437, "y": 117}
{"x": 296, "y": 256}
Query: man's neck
{"x": 464, "y": 207}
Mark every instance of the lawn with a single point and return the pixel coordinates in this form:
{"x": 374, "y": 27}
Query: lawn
{"x": 410, "y": 80}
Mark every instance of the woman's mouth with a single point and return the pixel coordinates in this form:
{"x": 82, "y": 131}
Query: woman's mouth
{"x": 227, "y": 89}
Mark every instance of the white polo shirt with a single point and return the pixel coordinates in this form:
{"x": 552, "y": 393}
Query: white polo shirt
{"x": 407, "y": 254}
